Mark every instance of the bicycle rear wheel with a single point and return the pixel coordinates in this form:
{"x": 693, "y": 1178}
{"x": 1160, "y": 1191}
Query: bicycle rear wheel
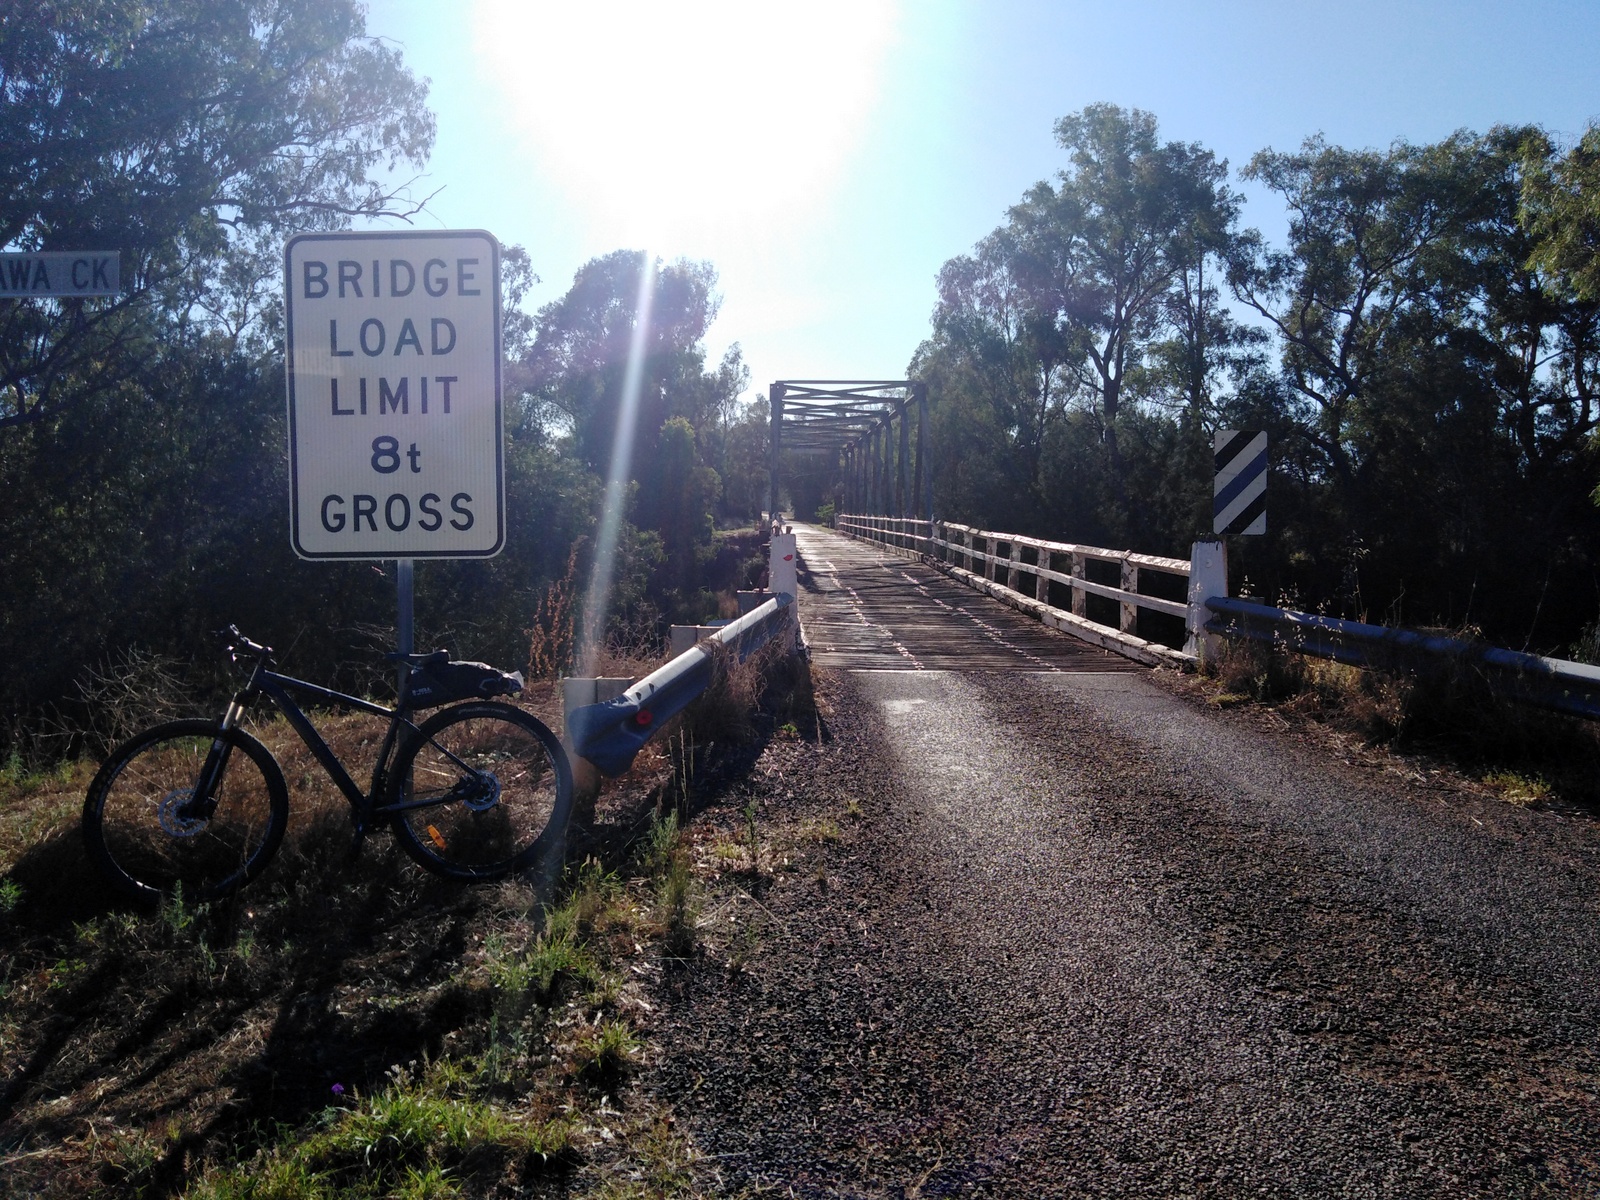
{"x": 151, "y": 835}
{"x": 480, "y": 790}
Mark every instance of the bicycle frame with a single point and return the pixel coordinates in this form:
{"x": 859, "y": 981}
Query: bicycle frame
{"x": 276, "y": 688}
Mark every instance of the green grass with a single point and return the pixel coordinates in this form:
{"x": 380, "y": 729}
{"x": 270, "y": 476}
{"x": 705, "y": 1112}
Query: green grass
{"x": 408, "y": 1140}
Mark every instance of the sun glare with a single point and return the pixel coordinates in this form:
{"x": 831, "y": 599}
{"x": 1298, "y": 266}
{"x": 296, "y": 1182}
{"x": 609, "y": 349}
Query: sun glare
{"x": 681, "y": 124}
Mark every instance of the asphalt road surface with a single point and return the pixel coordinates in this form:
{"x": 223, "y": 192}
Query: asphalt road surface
{"x": 1090, "y": 938}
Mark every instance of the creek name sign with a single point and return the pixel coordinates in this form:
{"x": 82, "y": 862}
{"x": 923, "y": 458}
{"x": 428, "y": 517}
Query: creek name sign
{"x": 395, "y": 425}
{"x": 59, "y": 274}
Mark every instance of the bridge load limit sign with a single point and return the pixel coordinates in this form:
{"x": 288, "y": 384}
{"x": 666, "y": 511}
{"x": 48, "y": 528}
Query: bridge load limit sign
{"x": 395, "y": 429}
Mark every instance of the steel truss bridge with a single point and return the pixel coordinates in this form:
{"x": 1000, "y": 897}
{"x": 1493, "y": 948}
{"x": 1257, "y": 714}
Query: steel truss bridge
{"x": 863, "y": 426}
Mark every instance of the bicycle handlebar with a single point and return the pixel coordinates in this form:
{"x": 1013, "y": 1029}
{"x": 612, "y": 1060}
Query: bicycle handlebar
{"x": 237, "y": 644}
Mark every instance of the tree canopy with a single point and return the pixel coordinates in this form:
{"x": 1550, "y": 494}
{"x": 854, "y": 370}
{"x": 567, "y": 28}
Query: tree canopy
{"x": 1421, "y": 351}
{"x": 187, "y": 135}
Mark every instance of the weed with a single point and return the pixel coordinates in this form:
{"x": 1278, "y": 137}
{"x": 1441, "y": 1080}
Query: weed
{"x": 603, "y": 1052}
{"x": 660, "y": 844}
{"x": 409, "y": 1140}
{"x": 676, "y": 906}
{"x": 819, "y": 829}
{"x": 597, "y": 901}
{"x": 1519, "y": 789}
{"x": 430, "y": 1184}
{"x": 61, "y": 974}
{"x": 177, "y": 915}
{"x": 10, "y": 895}
{"x": 666, "y": 860}
{"x": 552, "y": 642}
{"x": 744, "y": 947}
{"x": 852, "y": 809}
{"x": 534, "y": 973}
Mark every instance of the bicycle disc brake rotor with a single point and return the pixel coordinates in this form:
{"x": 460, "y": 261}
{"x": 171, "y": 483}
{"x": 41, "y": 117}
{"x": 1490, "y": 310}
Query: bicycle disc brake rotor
{"x": 173, "y": 818}
{"x": 484, "y": 792}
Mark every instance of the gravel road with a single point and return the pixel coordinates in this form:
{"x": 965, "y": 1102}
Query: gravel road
{"x": 1089, "y": 938}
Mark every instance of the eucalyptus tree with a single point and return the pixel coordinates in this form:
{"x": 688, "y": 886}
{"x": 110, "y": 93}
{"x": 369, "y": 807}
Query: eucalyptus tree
{"x": 1101, "y": 252}
{"x": 1008, "y": 365}
{"x": 1371, "y": 237}
{"x": 1561, "y": 207}
{"x": 187, "y": 135}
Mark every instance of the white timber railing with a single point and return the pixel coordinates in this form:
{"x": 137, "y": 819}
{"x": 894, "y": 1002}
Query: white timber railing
{"x": 994, "y": 563}
{"x": 1000, "y": 563}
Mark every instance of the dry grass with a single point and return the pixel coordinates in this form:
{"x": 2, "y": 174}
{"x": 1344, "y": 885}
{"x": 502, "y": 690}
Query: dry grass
{"x": 330, "y": 1012}
{"x": 1529, "y": 755}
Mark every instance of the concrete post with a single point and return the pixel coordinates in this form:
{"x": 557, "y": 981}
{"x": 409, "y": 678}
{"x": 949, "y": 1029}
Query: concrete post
{"x": 580, "y": 693}
{"x": 783, "y": 579}
{"x": 1208, "y": 577}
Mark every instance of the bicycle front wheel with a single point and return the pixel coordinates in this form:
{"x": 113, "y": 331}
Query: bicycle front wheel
{"x": 480, "y": 790}
{"x": 154, "y": 828}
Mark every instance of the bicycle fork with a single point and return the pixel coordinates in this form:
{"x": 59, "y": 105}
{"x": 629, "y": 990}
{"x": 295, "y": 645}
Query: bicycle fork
{"x": 202, "y": 804}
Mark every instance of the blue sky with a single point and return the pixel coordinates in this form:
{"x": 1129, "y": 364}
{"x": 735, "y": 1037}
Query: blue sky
{"x": 829, "y": 157}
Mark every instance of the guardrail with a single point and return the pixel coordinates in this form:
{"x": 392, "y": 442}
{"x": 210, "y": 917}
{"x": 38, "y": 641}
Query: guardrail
{"x": 980, "y": 557}
{"x": 1552, "y": 683}
{"x": 611, "y": 733}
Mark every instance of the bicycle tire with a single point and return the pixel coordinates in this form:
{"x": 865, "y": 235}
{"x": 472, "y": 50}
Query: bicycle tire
{"x": 147, "y": 847}
{"x": 481, "y": 790}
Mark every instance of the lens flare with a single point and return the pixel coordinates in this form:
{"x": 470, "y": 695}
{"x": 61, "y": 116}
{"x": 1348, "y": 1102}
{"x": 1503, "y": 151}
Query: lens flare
{"x": 596, "y": 604}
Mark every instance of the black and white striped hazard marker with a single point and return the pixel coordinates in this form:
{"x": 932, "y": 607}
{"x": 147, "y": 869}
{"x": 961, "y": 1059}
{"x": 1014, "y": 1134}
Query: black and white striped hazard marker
{"x": 1240, "y": 492}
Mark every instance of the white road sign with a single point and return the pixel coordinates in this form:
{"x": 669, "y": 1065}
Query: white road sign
{"x": 394, "y": 395}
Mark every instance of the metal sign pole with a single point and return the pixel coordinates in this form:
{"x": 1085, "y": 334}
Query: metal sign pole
{"x": 405, "y": 627}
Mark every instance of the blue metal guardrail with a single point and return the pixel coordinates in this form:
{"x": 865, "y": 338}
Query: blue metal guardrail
{"x": 1546, "y": 682}
{"x": 610, "y": 734}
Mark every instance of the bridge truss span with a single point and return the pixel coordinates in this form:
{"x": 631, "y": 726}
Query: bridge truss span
{"x": 864, "y": 427}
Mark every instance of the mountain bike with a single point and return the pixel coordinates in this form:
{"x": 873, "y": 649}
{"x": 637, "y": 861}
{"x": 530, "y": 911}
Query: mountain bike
{"x": 477, "y": 791}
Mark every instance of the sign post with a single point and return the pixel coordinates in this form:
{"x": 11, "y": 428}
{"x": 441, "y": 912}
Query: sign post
{"x": 395, "y": 424}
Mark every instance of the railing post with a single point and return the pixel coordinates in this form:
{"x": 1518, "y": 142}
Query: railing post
{"x": 1080, "y": 598}
{"x": 1014, "y": 568}
{"x": 1130, "y": 610}
{"x": 968, "y": 538}
{"x": 1041, "y": 581}
{"x": 1208, "y": 577}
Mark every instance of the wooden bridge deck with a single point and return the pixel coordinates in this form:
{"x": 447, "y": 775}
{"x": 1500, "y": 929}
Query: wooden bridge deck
{"x": 864, "y": 609}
